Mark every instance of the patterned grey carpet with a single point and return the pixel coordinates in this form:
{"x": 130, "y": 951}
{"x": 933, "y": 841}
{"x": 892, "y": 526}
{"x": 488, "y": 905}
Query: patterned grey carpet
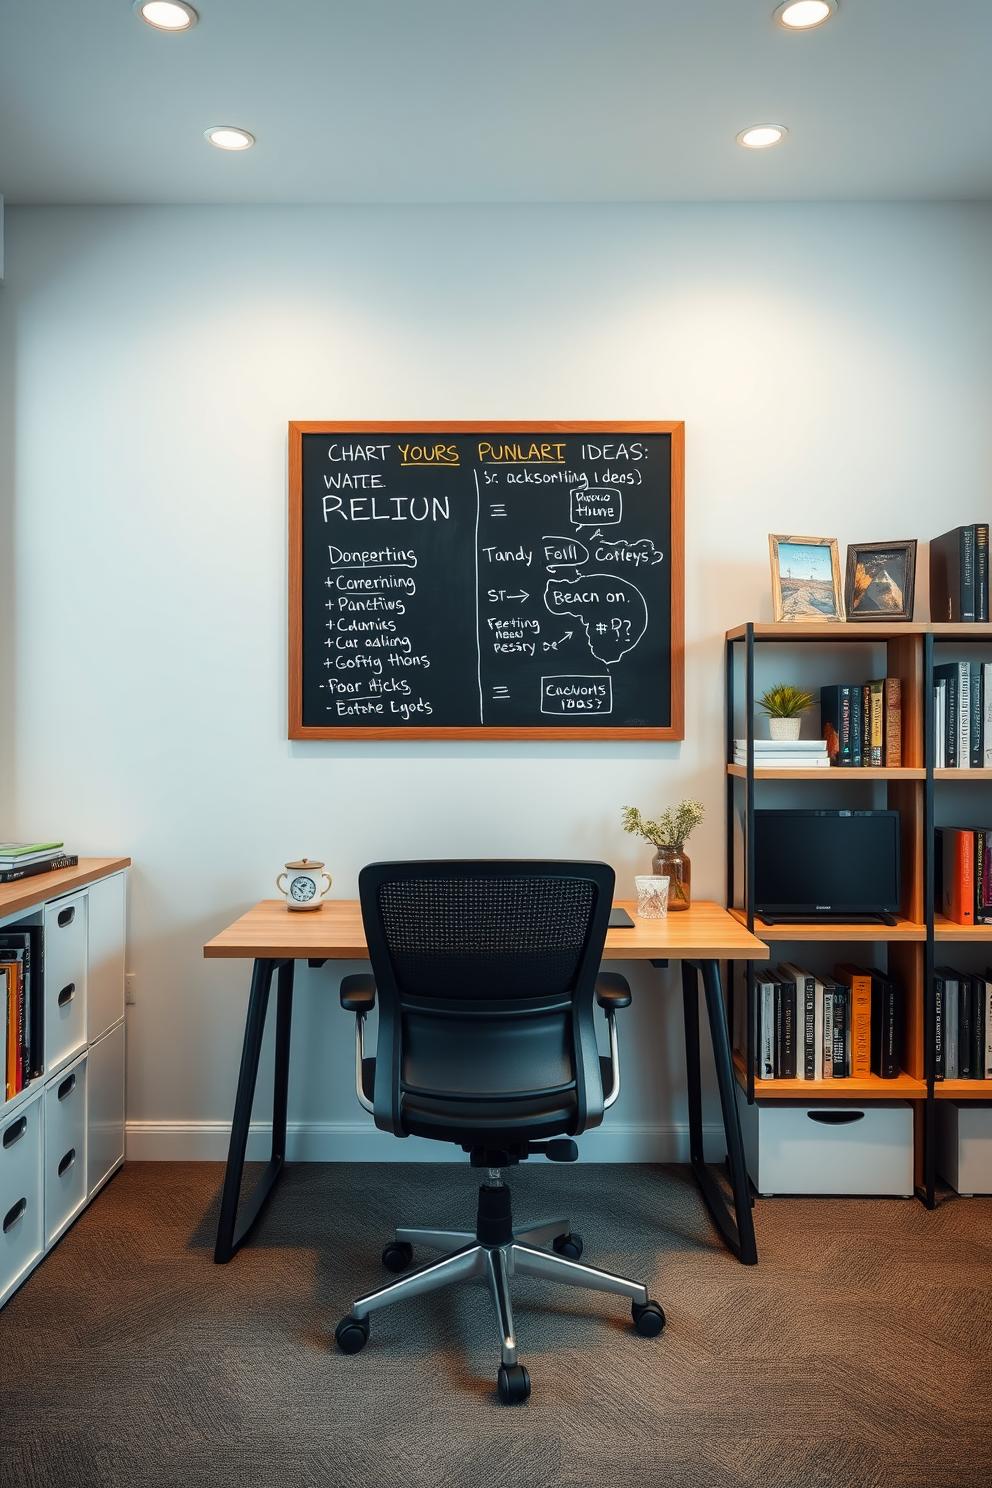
{"x": 855, "y": 1355}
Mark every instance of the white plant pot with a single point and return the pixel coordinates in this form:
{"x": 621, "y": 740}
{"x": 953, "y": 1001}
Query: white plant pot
{"x": 784, "y": 728}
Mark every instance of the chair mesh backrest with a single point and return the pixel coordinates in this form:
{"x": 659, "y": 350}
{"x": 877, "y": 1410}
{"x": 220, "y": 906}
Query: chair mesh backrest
{"x": 486, "y": 937}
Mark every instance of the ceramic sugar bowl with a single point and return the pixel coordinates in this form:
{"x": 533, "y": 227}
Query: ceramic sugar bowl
{"x": 301, "y": 884}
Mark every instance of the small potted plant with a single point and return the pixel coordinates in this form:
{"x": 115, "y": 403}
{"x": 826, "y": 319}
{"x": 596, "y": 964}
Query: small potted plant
{"x": 669, "y": 835}
{"x": 785, "y": 706}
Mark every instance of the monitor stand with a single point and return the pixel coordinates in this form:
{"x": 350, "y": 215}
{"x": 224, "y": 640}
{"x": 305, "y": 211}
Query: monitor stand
{"x": 878, "y": 917}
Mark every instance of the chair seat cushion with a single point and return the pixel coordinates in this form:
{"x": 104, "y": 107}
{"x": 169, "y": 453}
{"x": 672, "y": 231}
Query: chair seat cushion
{"x": 472, "y": 1121}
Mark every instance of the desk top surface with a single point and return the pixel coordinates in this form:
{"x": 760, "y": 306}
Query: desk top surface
{"x": 335, "y": 931}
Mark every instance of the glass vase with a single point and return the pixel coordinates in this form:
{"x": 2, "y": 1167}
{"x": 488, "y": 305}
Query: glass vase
{"x": 670, "y": 862}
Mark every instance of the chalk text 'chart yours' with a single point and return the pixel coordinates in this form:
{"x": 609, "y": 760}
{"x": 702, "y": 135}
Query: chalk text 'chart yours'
{"x": 526, "y": 581}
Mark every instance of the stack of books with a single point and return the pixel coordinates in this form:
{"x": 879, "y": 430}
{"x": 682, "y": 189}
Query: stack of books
{"x": 21, "y": 953}
{"x": 959, "y": 574}
{"x": 962, "y": 712}
{"x": 963, "y": 877}
{"x": 861, "y": 723}
{"x": 779, "y": 754}
{"x": 810, "y": 1028}
{"x": 963, "y": 1025}
{"x": 22, "y": 859}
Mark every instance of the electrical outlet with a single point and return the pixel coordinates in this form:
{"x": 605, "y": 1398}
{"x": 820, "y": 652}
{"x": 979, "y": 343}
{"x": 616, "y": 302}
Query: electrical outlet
{"x": 129, "y": 987}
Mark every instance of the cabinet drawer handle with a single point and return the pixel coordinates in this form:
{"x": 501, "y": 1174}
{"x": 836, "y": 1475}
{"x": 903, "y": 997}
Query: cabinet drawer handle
{"x": 68, "y": 1086}
{"x": 13, "y": 1214}
{"x": 67, "y": 1161}
{"x": 836, "y": 1118}
{"x": 15, "y": 1131}
{"x": 67, "y": 994}
{"x": 66, "y": 916}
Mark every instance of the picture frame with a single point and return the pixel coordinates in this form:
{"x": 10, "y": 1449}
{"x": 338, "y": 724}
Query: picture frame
{"x": 880, "y": 581}
{"x": 806, "y": 583}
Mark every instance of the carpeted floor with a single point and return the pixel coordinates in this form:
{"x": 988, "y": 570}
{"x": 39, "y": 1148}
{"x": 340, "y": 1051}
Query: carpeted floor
{"x": 855, "y": 1355}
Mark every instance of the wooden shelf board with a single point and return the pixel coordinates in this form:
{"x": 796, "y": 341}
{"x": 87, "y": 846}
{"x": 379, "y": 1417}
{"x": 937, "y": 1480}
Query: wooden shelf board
{"x": 901, "y": 930}
{"x": 868, "y": 1087}
{"x": 962, "y": 774}
{"x": 944, "y": 929}
{"x": 963, "y": 1089}
{"x": 856, "y": 630}
{"x": 880, "y": 772}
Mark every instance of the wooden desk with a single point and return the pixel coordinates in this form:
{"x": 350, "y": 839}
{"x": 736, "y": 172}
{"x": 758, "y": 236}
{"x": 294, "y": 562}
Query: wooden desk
{"x": 274, "y": 938}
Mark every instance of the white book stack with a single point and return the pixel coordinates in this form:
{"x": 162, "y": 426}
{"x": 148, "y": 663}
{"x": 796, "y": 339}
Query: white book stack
{"x": 784, "y": 754}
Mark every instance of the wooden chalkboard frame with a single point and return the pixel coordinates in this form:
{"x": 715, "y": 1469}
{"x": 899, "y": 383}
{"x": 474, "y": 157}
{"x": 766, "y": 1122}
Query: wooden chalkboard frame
{"x": 297, "y": 429}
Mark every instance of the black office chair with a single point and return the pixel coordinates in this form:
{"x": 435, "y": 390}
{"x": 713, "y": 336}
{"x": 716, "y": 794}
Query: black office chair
{"x": 486, "y": 974}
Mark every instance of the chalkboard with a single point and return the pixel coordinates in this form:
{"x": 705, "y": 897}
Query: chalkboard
{"x": 486, "y": 581}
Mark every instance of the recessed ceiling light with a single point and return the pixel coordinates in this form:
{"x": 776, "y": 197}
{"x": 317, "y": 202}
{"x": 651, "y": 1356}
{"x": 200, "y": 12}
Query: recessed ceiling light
{"x": 166, "y": 15}
{"x": 801, "y": 15}
{"x": 760, "y": 136}
{"x": 226, "y": 137}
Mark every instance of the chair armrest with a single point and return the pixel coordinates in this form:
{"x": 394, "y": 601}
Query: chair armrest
{"x": 612, "y": 991}
{"x": 358, "y": 993}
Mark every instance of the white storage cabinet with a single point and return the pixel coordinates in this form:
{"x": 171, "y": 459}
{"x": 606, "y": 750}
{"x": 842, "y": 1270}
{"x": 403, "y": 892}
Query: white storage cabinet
{"x": 62, "y": 1137}
{"x": 839, "y": 1147}
{"x": 964, "y": 1145}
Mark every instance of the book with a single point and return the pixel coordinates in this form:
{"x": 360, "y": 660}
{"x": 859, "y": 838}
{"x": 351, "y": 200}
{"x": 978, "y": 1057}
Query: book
{"x": 805, "y": 985}
{"x": 12, "y": 853}
{"x": 828, "y": 1030}
{"x": 966, "y": 1027}
{"x": 952, "y": 1011}
{"x": 766, "y": 1026}
{"x": 30, "y": 939}
{"x": 857, "y": 726}
{"x": 981, "y": 571}
{"x": 893, "y": 721}
{"x": 952, "y": 575}
{"x": 988, "y": 1023}
{"x": 785, "y": 761}
{"x": 886, "y": 1025}
{"x": 783, "y": 746}
{"x": 940, "y": 724}
{"x": 958, "y": 876}
{"x": 841, "y": 1057}
{"x": 987, "y": 715}
{"x": 975, "y": 705}
{"x": 979, "y": 1061}
{"x": 859, "y": 983}
{"x": 785, "y": 1028}
{"x": 875, "y": 722}
{"x": 837, "y": 724}
{"x": 983, "y": 876}
{"x": 3, "y": 1031}
{"x": 957, "y": 713}
{"x": 939, "y": 996}
{"x": 12, "y": 962}
{"x": 46, "y": 865}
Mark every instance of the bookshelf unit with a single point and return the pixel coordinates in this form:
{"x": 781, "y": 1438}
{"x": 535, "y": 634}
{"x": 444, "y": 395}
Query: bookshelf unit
{"x": 896, "y": 650}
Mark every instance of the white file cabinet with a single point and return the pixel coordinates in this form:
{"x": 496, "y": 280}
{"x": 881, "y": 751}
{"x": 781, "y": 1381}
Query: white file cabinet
{"x": 62, "y": 1137}
{"x": 838, "y": 1147}
{"x": 964, "y": 1145}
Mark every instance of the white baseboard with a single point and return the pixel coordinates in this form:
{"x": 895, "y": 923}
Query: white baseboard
{"x": 343, "y": 1141}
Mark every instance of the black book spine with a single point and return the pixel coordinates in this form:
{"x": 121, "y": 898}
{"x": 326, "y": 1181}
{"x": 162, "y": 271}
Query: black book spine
{"x": 981, "y": 571}
{"x": 789, "y": 1031}
{"x": 966, "y": 1028}
{"x": 978, "y": 1030}
{"x": 945, "y": 576}
{"x": 63, "y": 860}
{"x": 841, "y": 1066}
{"x": 938, "y": 1027}
{"x": 967, "y": 573}
{"x": 809, "y": 1027}
{"x": 857, "y": 724}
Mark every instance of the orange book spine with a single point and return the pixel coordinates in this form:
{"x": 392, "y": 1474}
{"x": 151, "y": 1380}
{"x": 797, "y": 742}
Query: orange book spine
{"x": 860, "y": 984}
{"x": 893, "y": 721}
{"x": 959, "y": 876}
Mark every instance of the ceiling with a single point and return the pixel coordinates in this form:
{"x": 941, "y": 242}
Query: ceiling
{"x": 494, "y": 101}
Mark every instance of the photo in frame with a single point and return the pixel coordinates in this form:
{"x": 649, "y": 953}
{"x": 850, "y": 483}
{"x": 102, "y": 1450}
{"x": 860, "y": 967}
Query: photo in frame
{"x": 805, "y": 578}
{"x": 880, "y": 580}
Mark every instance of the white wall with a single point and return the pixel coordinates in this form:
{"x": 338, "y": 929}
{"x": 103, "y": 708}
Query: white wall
{"x": 832, "y": 364}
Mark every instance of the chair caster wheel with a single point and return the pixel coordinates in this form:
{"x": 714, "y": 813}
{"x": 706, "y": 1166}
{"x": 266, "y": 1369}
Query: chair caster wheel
{"x": 513, "y": 1383}
{"x": 397, "y": 1255}
{"x": 649, "y": 1320}
{"x": 569, "y": 1246}
{"x": 352, "y": 1334}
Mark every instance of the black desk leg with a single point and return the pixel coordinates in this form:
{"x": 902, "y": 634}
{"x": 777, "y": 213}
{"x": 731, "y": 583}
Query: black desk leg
{"x": 231, "y": 1234}
{"x": 738, "y": 1236}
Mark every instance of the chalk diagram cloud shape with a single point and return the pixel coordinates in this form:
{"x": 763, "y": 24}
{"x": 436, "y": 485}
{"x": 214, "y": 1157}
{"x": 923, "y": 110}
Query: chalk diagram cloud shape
{"x": 611, "y": 610}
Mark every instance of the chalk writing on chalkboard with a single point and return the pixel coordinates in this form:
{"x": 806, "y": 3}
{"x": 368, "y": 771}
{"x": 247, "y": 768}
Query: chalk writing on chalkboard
{"x": 467, "y": 581}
